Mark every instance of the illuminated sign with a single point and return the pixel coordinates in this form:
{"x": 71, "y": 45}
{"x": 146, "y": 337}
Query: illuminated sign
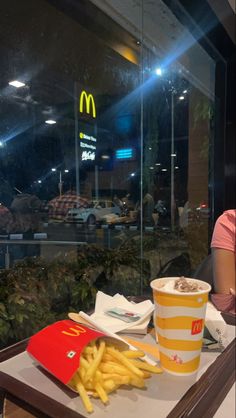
{"x": 88, "y": 155}
{"x": 88, "y": 137}
{"x": 124, "y": 154}
{"x": 84, "y": 145}
{"x": 87, "y": 104}
{"x": 89, "y": 142}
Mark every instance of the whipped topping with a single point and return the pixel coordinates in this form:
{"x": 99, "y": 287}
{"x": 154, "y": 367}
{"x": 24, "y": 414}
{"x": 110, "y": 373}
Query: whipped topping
{"x": 181, "y": 285}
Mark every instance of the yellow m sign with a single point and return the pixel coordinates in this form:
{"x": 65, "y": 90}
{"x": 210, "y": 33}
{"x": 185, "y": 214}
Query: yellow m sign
{"x": 87, "y": 102}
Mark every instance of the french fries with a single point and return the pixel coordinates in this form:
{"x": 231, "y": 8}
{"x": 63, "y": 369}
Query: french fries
{"x": 104, "y": 368}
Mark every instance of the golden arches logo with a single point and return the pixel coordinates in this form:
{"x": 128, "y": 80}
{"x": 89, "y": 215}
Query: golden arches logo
{"x": 75, "y": 332}
{"x": 87, "y": 101}
{"x": 197, "y": 326}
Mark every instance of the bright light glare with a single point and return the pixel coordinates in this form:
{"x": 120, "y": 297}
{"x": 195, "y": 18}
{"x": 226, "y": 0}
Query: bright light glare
{"x": 1, "y": 144}
{"x": 181, "y": 97}
{"x": 39, "y": 181}
{"x": 50, "y": 121}
{"x": 105, "y": 157}
{"x": 54, "y": 169}
{"x": 158, "y": 71}
{"x": 132, "y": 174}
{"x": 158, "y": 164}
{"x": 16, "y": 83}
{"x": 176, "y": 167}
{"x": 164, "y": 169}
{"x": 66, "y": 171}
{"x": 151, "y": 168}
{"x": 173, "y": 155}
{"x": 185, "y": 91}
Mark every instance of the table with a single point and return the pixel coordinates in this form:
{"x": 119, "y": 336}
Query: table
{"x": 29, "y": 388}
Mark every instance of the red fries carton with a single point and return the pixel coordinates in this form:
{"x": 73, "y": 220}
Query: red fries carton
{"x": 58, "y": 347}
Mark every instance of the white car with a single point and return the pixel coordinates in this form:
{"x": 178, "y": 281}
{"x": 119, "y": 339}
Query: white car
{"x": 95, "y": 212}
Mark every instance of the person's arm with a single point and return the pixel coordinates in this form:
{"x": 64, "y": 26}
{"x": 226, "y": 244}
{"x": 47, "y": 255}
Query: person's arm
{"x": 224, "y": 270}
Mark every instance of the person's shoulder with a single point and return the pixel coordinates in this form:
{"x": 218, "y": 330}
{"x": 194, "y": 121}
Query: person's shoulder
{"x": 224, "y": 231}
{"x": 228, "y": 218}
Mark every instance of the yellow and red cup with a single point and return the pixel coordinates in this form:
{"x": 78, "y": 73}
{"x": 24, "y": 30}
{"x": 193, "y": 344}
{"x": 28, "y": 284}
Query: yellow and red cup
{"x": 179, "y": 325}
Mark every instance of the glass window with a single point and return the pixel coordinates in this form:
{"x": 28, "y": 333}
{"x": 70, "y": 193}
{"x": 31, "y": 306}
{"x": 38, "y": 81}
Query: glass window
{"x": 106, "y": 132}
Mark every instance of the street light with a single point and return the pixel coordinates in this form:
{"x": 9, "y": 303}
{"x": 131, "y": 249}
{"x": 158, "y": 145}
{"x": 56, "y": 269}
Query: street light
{"x": 172, "y": 162}
{"x": 60, "y": 184}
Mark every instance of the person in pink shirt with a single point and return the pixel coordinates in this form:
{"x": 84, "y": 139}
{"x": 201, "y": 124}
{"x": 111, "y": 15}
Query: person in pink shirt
{"x": 223, "y": 248}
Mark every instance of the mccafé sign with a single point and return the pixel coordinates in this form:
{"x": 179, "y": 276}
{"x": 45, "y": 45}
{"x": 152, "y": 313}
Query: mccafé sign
{"x": 87, "y": 104}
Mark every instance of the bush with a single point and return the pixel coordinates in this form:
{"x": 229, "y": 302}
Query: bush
{"x": 34, "y": 293}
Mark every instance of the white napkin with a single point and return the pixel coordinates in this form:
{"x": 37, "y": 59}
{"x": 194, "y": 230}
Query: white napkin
{"x": 105, "y": 302}
{"x": 216, "y": 325}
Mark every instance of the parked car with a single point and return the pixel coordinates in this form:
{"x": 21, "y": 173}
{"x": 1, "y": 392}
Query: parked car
{"x": 95, "y": 212}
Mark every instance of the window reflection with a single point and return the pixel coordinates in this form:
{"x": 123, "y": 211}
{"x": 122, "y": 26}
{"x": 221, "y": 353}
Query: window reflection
{"x": 105, "y": 134}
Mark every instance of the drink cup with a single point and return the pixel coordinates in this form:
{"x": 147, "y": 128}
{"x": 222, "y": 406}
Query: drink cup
{"x": 179, "y": 325}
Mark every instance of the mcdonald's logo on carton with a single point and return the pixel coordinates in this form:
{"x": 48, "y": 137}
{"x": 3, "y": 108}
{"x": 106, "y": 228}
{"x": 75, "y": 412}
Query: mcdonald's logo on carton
{"x": 87, "y": 104}
{"x": 197, "y": 326}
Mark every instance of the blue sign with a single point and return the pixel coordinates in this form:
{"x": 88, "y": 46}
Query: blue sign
{"x": 124, "y": 153}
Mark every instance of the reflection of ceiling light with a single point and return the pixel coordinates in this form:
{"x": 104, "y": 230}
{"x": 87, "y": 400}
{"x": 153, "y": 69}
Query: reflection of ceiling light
{"x": 173, "y": 155}
{"x": 16, "y": 83}
{"x": 176, "y": 167}
{"x": 105, "y": 157}
{"x": 158, "y": 164}
{"x": 54, "y": 169}
{"x": 181, "y": 97}
{"x": 132, "y": 174}
{"x": 150, "y": 148}
{"x": 158, "y": 71}
{"x": 50, "y": 121}
{"x": 151, "y": 168}
{"x": 185, "y": 91}
{"x": 66, "y": 171}
{"x": 1, "y": 144}
{"x": 39, "y": 181}
{"x": 164, "y": 169}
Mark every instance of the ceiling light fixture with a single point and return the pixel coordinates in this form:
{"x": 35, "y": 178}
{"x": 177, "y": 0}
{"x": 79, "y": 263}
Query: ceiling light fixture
{"x": 16, "y": 83}
{"x": 158, "y": 71}
{"x": 50, "y": 122}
